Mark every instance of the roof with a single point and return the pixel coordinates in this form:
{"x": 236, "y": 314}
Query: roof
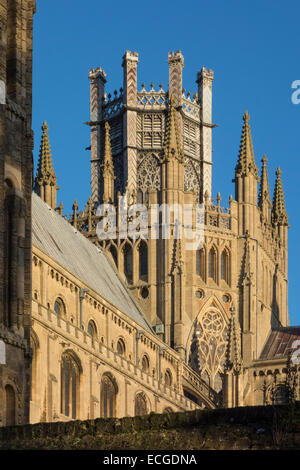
{"x": 56, "y": 237}
{"x": 279, "y": 342}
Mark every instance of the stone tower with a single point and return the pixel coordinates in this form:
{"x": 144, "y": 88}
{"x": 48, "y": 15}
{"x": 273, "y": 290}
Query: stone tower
{"x": 214, "y": 303}
{"x": 16, "y": 166}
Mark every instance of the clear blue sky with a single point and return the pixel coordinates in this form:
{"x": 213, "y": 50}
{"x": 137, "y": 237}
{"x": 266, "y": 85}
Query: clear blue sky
{"x": 253, "y": 48}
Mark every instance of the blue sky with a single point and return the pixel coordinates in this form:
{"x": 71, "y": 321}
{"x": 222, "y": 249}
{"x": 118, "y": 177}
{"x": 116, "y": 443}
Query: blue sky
{"x": 253, "y": 48}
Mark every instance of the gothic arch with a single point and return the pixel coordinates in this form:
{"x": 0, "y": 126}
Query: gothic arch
{"x": 148, "y": 175}
{"x": 71, "y": 371}
{"x": 108, "y": 395}
{"x": 141, "y": 404}
{"x": 143, "y": 258}
{"x": 207, "y": 343}
{"x": 225, "y": 265}
{"x": 212, "y": 262}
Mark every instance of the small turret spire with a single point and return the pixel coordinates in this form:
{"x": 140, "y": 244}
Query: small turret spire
{"x": 264, "y": 199}
{"x": 246, "y": 162}
{"x": 233, "y": 353}
{"x": 172, "y": 145}
{"x": 279, "y": 215}
{"x": 45, "y": 181}
{"x": 108, "y": 168}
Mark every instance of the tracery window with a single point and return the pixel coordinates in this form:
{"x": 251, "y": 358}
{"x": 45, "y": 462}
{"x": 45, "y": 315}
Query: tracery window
{"x": 148, "y": 175}
{"x": 108, "y": 396}
{"x": 141, "y": 407}
{"x": 69, "y": 385}
{"x": 208, "y": 346}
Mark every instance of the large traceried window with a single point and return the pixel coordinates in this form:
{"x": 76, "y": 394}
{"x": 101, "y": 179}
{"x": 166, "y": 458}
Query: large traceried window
{"x": 109, "y": 392}
{"x": 70, "y": 372}
{"x": 141, "y": 407}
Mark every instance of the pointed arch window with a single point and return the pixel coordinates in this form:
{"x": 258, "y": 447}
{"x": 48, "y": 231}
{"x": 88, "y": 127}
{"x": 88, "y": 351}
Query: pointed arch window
{"x": 141, "y": 407}
{"x": 70, "y": 371}
{"x": 225, "y": 266}
{"x": 200, "y": 263}
{"x": 212, "y": 264}
{"x": 114, "y": 254}
{"x": 143, "y": 261}
{"x": 128, "y": 263}
{"x": 108, "y": 397}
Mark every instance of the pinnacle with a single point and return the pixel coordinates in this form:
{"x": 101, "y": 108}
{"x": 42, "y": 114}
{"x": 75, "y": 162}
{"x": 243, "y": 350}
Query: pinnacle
{"x": 108, "y": 160}
{"x": 264, "y": 191}
{"x": 172, "y": 146}
{"x": 246, "y": 162}
{"x": 279, "y": 214}
{"x": 45, "y": 171}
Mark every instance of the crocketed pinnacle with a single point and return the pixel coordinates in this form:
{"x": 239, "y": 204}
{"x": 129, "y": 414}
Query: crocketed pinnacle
{"x": 279, "y": 215}
{"x": 264, "y": 191}
{"x": 108, "y": 166}
{"x": 233, "y": 352}
{"x": 45, "y": 170}
{"x": 172, "y": 145}
{"x": 246, "y": 162}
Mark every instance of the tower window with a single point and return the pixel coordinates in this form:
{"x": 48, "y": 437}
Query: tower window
{"x": 143, "y": 261}
{"x": 212, "y": 264}
{"x": 225, "y": 266}
{"x": 128, "y": 262}
{"x": 200, "y": 263}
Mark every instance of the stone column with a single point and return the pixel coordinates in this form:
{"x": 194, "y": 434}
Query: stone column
{"x": 204, "y": 80}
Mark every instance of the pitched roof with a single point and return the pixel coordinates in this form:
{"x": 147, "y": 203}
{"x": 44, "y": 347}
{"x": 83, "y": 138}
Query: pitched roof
{"x": 69, "y": 248}
{"x": 279, "y": 342}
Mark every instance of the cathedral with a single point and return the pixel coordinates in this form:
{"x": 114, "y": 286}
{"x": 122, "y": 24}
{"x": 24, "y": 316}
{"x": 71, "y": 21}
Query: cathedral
{"x": 112, "y": 311}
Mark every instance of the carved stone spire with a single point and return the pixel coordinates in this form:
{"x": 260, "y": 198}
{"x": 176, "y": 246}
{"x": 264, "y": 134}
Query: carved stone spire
{"x": 233, "y": 352}
{"x": 172, "y": 145}
{"x": 264, "y": 199}
{"x": 108, "y": 169}
{"x": 246, "y": 162}
{"x": 279, "y": 215}
{"x": 45, "y": 181}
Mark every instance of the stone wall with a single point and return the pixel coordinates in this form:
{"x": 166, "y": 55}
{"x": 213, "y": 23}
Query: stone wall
{"x": 238, "y": 428}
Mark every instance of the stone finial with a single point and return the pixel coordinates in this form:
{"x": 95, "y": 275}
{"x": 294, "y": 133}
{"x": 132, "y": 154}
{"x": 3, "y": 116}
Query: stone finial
{"x": 45, "y": 181}
{"x": 279, "y": 214}
{"x": 246, "y": 162}
{"x": 264, "y": 198}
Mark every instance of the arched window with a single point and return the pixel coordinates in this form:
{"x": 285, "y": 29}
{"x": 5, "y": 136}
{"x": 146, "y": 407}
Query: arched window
{"x": 225, "y": 266}
{"x": 114, "y": 254}
{"x": 200, "y": 263}
{"x": 212, "y": 264}
{"x": 59, "y": 307}
{"x": 145, "y": 364}
{"x": 128, "y": 262}
{"x": 70, "y": 371}
{"x": 109, "y": 391}
{"x": 121, "y": 349}
{"x": 10, "y": 405}
{"x": 143, "y": 261}
{"x": 168, "y": 410}
{"x": 168, "y": 378}
{"x": 92, "y": 329}
{"x": 141, "y": 407}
